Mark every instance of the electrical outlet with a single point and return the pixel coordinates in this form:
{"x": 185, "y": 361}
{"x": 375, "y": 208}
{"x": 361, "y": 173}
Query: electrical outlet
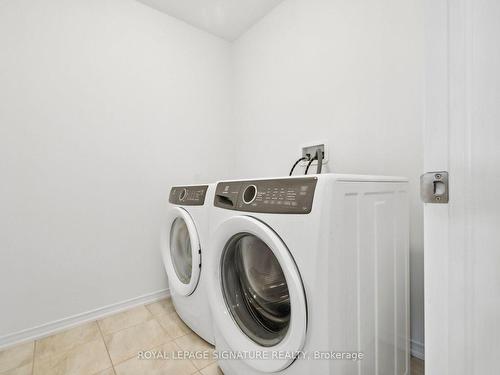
{"x": 309, "y": 151}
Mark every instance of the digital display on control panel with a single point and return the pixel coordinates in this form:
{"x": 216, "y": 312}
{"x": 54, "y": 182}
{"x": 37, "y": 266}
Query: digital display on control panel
{"x": 284, "y": 196}
{"x": 188, "y": 195}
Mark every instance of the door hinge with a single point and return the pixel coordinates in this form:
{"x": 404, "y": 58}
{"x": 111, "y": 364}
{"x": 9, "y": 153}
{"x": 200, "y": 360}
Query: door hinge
{"x": 434, "y": 187}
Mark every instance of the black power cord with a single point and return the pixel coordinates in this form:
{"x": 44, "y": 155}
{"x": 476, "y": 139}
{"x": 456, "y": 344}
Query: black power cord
{"x": 297, "y": 162}
{"x": 319, "y": 158}
{"x": 310, "y": 162}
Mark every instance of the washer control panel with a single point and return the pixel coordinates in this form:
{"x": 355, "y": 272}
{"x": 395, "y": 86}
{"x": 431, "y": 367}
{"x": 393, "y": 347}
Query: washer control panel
{"x": 279, "y": 196}
{"x": 188, "y": 195}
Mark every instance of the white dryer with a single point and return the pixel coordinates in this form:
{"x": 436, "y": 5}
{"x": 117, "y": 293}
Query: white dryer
{"x": 184, "y": 251}
{"x": 303, "y": 270}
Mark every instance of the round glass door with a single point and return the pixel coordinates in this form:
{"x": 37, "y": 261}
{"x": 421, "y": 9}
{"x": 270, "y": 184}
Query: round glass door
{"x": 180, "y": 250}
{"x": 255, "y": 292}
{"x": 255, "y": 289}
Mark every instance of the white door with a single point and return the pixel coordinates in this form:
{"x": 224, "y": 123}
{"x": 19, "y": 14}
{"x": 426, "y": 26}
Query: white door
{"x": 462, "y": 238}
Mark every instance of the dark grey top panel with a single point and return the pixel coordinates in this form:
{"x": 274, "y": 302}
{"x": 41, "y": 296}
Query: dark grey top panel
{"x": 279, "y": 196}
{"x": 188, "y": 195}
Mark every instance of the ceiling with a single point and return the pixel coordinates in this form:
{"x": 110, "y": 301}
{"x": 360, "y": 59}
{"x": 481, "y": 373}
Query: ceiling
{"x": 227, "y": 19}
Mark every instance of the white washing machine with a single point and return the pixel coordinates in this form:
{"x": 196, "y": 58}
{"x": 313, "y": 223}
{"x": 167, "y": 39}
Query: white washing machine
{"x": 303, "y": 270}
{"x": 184, "y": 251}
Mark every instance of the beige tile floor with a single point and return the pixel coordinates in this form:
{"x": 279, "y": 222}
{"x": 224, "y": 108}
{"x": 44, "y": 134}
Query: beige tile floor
{"x": 110, "y": 346}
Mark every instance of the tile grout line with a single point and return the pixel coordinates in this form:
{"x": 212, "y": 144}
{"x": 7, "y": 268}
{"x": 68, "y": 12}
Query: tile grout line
{"x": 190, "y": 361}
{"x": 149, "y": 304}
{"x": 149, "y": 348}
{"x": 65, "y": 351}
{"x": 152, "y": 317}
{"x": 198, "y": 370}
{"x": 159, "y": 347}
{"x": 175, "y": 338}
{"x": 123, "y": 329}
{"x": 163, "y": 329}
{"x": 106, "y": 346}
{"x": 177, "y": 345}
{"x": 135, "y": 355}
{"x": 210, "y": 364}
{"x": 171, "y": 340}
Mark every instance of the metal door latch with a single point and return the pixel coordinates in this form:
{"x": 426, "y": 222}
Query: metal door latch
{"x": 434, "y": 187}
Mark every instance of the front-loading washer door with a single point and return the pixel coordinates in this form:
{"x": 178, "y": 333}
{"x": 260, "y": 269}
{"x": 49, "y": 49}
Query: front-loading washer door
{"x": 181, "y": 251}
{"x": 258, "y": 297}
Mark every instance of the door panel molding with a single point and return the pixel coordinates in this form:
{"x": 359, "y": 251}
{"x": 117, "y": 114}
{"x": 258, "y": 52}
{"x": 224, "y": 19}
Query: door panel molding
{"x": 460, "y": 134}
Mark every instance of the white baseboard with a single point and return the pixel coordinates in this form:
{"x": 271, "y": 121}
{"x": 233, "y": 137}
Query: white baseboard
{"x": 417, "y": 350}
{"x": 48, "y": 329}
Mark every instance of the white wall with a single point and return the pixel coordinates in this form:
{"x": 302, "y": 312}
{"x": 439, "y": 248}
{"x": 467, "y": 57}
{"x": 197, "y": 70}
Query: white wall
{"x": 103, "y": 105}
{"x": 347, "y": 71}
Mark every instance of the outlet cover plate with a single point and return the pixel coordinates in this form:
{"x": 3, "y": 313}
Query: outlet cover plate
{"x": 311, "y": 147}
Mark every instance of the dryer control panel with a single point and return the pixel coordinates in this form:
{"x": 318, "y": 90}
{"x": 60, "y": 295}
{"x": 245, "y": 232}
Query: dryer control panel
{"x": 278, "y": 196}
{"x": 188, "y": 195}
